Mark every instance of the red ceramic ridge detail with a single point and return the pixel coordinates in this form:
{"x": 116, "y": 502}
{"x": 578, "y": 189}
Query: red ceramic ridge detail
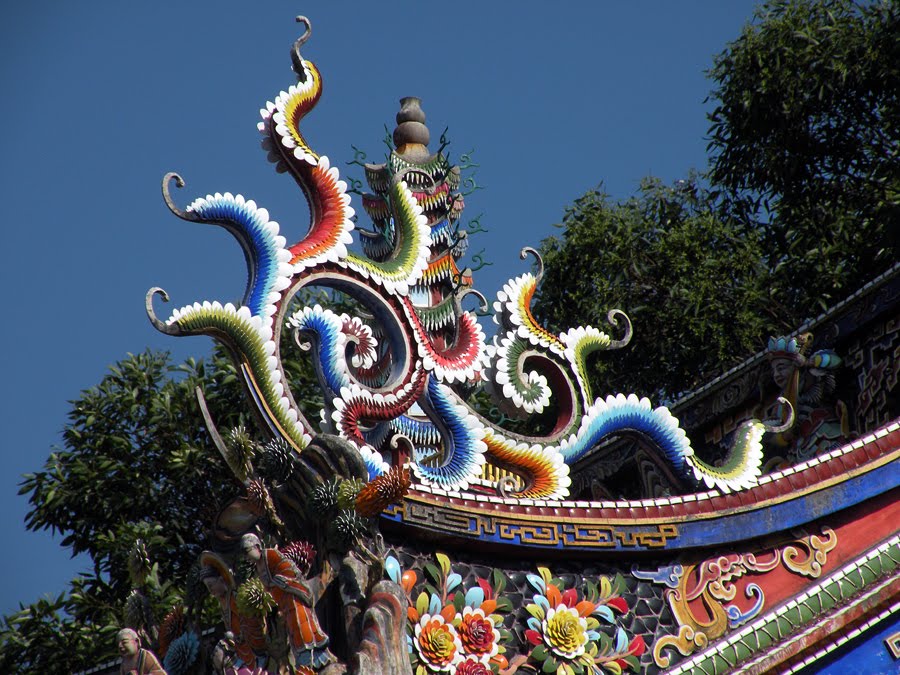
{"x": 732, "y": 501}
{"x": 652, "y": 511}
{"x": 716, "y": 503}
{"x": 881, "y": 446}
{"x": 796, "y": 481}
{"x": 818, "y": 472}
{"x": 825, "y": 470}
{"x": 754, "y": 494}
{"x": 851, "y": 460}
{"x": 691, "y": 508}
{"x": 747, "y": 497}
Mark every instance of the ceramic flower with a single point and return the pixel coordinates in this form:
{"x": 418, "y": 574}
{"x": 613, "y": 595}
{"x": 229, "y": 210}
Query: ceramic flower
{"x": 564, "y": 628}
{"x": 565, "y": 632}
{"x": 182, "y": 654}
{"x": 478, "y": 634}
{"x": 472, "y": 666}
{"x": 437, "y": 643}
{"x": 450, "y": 627}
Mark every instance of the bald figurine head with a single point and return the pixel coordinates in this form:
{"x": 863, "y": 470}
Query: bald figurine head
{"x": 251, "y": 546}
{"x": 128, "y": 642}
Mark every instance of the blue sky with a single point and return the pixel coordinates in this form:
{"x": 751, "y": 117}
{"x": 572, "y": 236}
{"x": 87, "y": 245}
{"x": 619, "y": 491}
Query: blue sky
{"x": 102, "y": 98}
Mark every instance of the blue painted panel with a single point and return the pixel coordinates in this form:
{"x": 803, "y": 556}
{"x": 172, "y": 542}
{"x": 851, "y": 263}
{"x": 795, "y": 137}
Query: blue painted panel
{"x": 866, "y": 654}
{"x": 783, "y": 516}
{"x": 667, "y": 535}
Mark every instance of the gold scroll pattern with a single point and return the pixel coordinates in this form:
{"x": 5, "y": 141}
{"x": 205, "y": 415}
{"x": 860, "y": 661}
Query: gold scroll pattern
{"x": 507, "y": 528}
{"x": 712, "y": 582}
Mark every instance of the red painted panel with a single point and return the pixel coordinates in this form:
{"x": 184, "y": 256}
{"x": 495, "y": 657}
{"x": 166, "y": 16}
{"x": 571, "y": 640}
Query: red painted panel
{"x": 858, "y": 530}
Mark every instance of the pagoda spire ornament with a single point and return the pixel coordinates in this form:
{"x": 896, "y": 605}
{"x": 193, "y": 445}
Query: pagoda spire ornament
{"x": 411, "y": 137}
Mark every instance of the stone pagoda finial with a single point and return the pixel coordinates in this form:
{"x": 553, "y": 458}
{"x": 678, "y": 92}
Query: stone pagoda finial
{"x": 411, "y": 135}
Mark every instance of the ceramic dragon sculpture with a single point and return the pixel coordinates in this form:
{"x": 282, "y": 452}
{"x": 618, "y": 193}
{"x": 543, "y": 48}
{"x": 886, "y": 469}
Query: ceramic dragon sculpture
{"x": 405, "y": 362}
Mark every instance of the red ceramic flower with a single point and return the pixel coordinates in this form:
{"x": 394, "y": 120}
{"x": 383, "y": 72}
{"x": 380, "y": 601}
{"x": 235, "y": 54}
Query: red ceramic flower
{"x": 477, "y": 633}
{"x": 472, "y": 666}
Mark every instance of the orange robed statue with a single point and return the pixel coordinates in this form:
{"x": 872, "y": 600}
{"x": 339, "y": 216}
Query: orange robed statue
{"x": 296, "y": 598}
{"x": 249, "y": 640}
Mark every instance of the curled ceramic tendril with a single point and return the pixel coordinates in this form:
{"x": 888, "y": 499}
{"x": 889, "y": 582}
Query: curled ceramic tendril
{"x": 444, "y": 141}
{"x": 471, "y": 291}
{"x": 470, "y": 186}
{"x": 788, "y": 421}
{"x": 402, "y": 439}
{"x": 538, "y": 260}
{"x": 465, "y": 161}
{"x": 179, "y": 183}
{"x": 295, "y": 50}
{"x": 151, "y": 313}
{"x": 613, "y": 317}
{"x": 355, "y": 186}
{"x": 359, "y": 157}
{"x": 479, "y": 261}
{"x": 498, "y": 416}
{"x": 506, "y": 486}
{"x": 304, "y": 345}
{"x": 475, "y": 226}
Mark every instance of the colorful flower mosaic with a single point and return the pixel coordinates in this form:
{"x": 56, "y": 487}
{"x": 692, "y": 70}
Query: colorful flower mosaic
{"x": 565, "y": 631}
{"x": 562, "y": 630}
{"x": 453, "y": 629}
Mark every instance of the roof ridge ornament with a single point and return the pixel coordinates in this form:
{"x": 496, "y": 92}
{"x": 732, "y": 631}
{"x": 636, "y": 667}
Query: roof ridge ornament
{"x": 408, "y": 362}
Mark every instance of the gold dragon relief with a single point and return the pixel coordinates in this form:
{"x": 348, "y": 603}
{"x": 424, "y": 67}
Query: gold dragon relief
{"x": 701, "y": 595}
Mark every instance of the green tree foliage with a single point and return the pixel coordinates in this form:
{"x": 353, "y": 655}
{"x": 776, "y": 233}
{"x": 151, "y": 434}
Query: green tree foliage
{"x": 135, "y": 446}
{"x": 806, "y": 134}
{"x": 137, "y": 463}
{"x": 802, "y": 207}
{"x": 685, "y": 276}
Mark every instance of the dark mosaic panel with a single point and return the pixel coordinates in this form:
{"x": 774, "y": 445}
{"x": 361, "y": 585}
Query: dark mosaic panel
{"x": 875, "y": 360}
{"x": 649, "y": 615}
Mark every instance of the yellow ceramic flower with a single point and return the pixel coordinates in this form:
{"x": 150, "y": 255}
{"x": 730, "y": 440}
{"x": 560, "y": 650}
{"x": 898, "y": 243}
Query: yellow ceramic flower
{"x": 565, "y": 632}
